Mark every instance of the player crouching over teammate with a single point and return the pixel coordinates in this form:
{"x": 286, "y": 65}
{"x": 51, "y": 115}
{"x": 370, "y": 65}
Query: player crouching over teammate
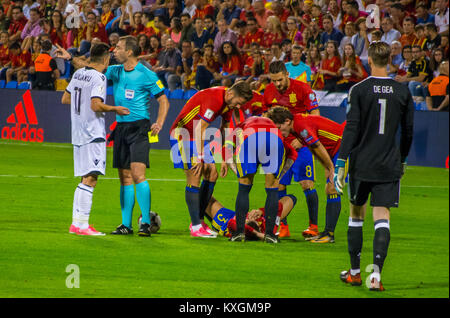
{"x": 224, "y": 220}
{"x": 86, "y": 94}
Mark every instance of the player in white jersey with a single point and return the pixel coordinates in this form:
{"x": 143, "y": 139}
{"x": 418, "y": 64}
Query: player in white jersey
{"x": 86, "y": 93}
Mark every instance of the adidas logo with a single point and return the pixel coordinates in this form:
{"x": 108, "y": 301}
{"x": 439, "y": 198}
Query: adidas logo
{"x": 23, "y": 116}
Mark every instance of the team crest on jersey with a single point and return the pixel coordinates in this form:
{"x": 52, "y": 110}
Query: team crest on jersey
{"x": 274, "y": 101}
{"x": 209, "y": 113}
{"x": 304, "y": 133}
{"x": 292, "y": 98}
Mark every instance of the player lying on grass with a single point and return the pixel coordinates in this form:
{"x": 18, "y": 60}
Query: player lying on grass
{"x": 323, "y": 137}
{"x": 224, "y": 220}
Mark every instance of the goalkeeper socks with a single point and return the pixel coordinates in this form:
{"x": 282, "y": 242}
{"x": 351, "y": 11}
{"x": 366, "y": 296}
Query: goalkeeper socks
{"x": 271, "y": 209}
{"x": 380, "y": 243}
{"x": 192, "y": 196}
{"x": 333, "y": 209}
{"x": 242, "y": 205}
{"x": 127, "y": 204}
{"x": 312, "y": 200}
{"x": 82, "y": 205}
{"x": 355, "y": 242}
{"x": 143, "y": 196}
{"x": 206, "y": 191}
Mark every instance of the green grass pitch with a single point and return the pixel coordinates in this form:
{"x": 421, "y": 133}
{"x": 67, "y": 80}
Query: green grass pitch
{"x": 36, "y": 193}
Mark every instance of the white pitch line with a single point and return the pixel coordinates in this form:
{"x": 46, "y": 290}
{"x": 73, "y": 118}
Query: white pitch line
{"x": 178, "y": 180}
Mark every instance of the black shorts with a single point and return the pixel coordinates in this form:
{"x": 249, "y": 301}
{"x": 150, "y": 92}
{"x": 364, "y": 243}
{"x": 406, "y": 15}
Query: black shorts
{"x": 383, "y": 194}
{"x": 131, "y": 143}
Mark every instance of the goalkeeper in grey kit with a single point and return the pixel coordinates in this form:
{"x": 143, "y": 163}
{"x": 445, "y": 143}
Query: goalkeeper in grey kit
{"x": 378, "y": 106}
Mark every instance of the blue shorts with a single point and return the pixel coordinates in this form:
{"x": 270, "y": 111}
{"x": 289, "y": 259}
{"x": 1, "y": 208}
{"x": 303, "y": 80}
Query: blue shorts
{"x": 261, "y": 148}
{"x": 184, "y": 153}
{"x": 302, "y": 169}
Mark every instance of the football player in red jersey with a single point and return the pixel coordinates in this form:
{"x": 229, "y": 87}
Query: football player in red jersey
{"x": 323, "y": 137}
{"x": 258, "y": 142}
{"x": 190, "y": 151}
{"x": 299, "y": 98}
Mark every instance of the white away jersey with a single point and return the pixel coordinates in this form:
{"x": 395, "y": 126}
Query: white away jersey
{"x": 87, "y": 125}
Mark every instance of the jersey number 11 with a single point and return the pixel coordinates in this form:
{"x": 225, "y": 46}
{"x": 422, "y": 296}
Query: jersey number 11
{"x": 77, "y": 100}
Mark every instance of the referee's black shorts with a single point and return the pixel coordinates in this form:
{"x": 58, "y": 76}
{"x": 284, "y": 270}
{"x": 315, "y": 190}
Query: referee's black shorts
{"x": 383, "y": 194}
{"x": 131, "y": 143}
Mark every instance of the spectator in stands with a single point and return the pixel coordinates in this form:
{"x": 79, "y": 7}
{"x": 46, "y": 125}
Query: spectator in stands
{"x": 92, "y": 29}
{"x": 281, "y": 12}
{"x": 144, "y": 44}
{"x": 437, "y": 98}
{"x": 407, "y": 59}
{"x": 57, "y": 31}
{"x": 303, "y": 14}
{"x": 32, "y": 28}
{"x": 419, "y": 73}
{"x": 396, "y": 59}
{"x": 203, "y": 9}
{"x": 398, "y": 13}
{"x": 408, "y": 37}
{"x": 314, "y": 40}
{"x": 389, "y": 33}
{"x": 188, "y": 28}
{"x": 175, "y": 29}
{"x": 4, "y": 54}
{"x": 230, "y": 59}
{"x": 441, "y": 18}
{"x": 135, "y": 26}
{"x": 200, "y": 36}
{"x": 246, "y": 7}
{"x": 433, "y": 37}
{"x": 154, "y": 50}
{"x": 352, "y": 70}
{"x": 170, "y": 11}
{"x": 230, "y": 12}
{"x": 352, "y": 12}
{"x": 189, "y": 7}
{"x": 306, "y": 38}
{"x": 444, "y": 43}
{"x": 296, "y": 68}
{"x": 286, "y": 47}
{"x": 186, "y": 59}
{"x": 46, "y": 70}
{"x": 17, "y": 24}
{"x": 293, "y": 34}
{"x": 361, "y": 41}
{"x": 258, "y": 67}
{"x": 313, "y": 60}
{"x": 437, "y": 56}
{"x": 169, "y": 66}
{"x": 207, "y": 68}
{"x": 422, "y": 14}
{"x": 350, "y": 31}
{"x": 254, "y": 34}
{"x": 260, "y": 13}
{"x": 107, "y": 15}
{"x": 4, "y": 21}
{"x": 189, "y": 75}
{"x": 421, "y": 38}
{"x": 278, "y": 54}
{"x": 273, "y": 32}
{"x": 211, "y": 29}
{"x": 161, "y": 27}
{"x": 20, "y": 62}
{"x": 241, "y": 31}
{"x": 335, "y": 12}
{"x": 330, "y": 33}
{"x": 330, "y": 67}
{"x": 316, "y": 15}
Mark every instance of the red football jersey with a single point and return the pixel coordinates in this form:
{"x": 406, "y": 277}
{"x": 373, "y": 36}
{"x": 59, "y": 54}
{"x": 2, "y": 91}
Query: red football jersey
{"x": 205, "y": 105}
{"x": 311, "y": 129}
{"x": 298, "y": 97}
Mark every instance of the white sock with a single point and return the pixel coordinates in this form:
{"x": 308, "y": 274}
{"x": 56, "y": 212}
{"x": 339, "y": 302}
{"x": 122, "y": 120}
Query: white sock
{"x": 353, "y": 272}
{"x": 195, "y": 228}
{"x": 84, "y": 205}
{"x": 75, "y": 208}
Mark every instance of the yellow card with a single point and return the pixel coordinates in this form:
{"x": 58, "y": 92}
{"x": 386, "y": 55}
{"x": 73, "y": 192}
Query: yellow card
{"x": 152, "y": 139}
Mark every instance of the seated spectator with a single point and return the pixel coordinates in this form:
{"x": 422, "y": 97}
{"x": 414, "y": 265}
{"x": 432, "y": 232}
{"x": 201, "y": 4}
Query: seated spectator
{"x": 396, "y": 59}
{"x": 422, "y": 14}
{"x": 92, "y": 29}
{"x": 316, "y": 15}
{"x": 313, "y": 60}
{"x": 187, "y": 60}
{"x": 211, "y": 29}
{"x": 241, "y": 31}
{"x": 254, "y": 34}
{"x": 314, "y": 40}
{"x": 333, "y": 10}
{"x": 444, "y": 44}
{"x": 207, "y": 68}
{"x": 189, "y": 7}
{"x": 273, "y": 32}
{"x": 144, "y": 44}
{"x": 32, "y": 28}
{"x": 350, "y": 31}
{"x": 361, "y": 41}
{"x": 169, "y": 66}
{"x": 419, "y": 73}
{"x": 441, "y": 17}
{"x": 352, "y": 70}
{"x": 421, "y": 39}
{"x": 293, "y": 34}
{"x": 296, "y": 68}
{"x": 17, "y": 24}
{"x": 352, "y": 12}
{"x": 189, "y": 76}
{"x": 107, "y": 15}
{"x": 154, "y": 50}
{"x": 175, "y": 29}
{"x": 57, "y": 31}
{"x": 437, "y": 97}
{"x": 46, "y": 70}
{"x": 408, "y": 37}
{"x": 203, "y": 9}
{"x": 329, "y": 69}
{"x": 230, "y": 59}
{"x": 200, "y": 35}
{"x": 330, "y": 33}
{"x": 375, "y": 36}
{"x": 230, "y": 12}
{"x": 246, "y": 6}
{"x": 4, "y": 52}
{"x": 188, "y": 28}
{"x": 224, "y": 34}
{"x": 4, "y": 21}
{"x": 398, "y": 14}
{"x": 304, "y": 15}
{"x": 437, "y": 57}
{"x": 286, "y": 48}
{"x": 170, "y": 11}
{"x": 135, "y": 26}
{"x": 258, "y": 67}
{"x": 433, "y": 37}
{"x": 162, "y": 28}
{"x": 20, "y": 62}
{"x": 260, "y": 13}
{"x": 278, "y": 10}
{"x": 278, "y": 54}
{"x": 407, "y": 59}
{"x": 148, "y": 20}
{"x": 306, "y": 38}
{"x": 389, "y": 33}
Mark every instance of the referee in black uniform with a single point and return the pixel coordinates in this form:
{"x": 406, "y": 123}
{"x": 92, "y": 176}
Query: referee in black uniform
{"x": 378, "y": 107}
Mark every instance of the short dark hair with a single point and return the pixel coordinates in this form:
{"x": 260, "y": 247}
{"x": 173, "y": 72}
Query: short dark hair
{"x": 98, "y": 52}
{"x": 431, "y": 26}
{"x": 46, "y": 45}
{"x": 379, "y": 52}
{"x": 242, "y": 89}
{"x": 279, "y": 114}
{"x": 277, "y": 67}
{"x": 17, "y": 7}
{"x": 14, "y": 46}
{"x": 132, "y": 44}
{"x": 398, "y": 6}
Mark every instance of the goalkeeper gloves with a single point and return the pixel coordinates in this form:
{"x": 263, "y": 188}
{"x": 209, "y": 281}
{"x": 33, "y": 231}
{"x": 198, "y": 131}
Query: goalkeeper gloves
{"x": 339, "y": 176}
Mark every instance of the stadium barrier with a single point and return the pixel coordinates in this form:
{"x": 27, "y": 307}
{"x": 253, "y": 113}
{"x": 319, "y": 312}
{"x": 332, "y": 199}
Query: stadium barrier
{"x": 38, "y": 116}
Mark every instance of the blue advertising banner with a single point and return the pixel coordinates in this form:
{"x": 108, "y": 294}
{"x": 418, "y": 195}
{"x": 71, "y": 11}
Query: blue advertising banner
{"x": 38, "y": 116}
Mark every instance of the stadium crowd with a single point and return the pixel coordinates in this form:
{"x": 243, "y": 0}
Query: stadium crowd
{"x": 203, "y": 43}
